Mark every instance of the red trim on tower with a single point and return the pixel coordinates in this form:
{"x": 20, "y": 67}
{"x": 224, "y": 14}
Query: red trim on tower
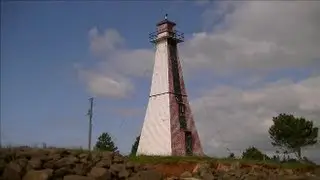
{"x": 178, "y": 134}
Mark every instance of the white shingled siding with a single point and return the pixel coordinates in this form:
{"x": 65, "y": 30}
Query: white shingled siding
{"x": 155, "y": 138}
{"x": 160, "y": 71}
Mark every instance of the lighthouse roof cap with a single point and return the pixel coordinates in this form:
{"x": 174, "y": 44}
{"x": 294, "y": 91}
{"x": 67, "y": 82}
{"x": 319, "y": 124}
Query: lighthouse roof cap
{"x": 166, "y": 21}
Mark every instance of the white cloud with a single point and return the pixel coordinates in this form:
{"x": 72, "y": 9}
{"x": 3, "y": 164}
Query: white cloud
{"x": 251, "y": 36}
{"x": 102, "y": 84}
{"x": 111, "y": 75}
{"x": 108, "y": 42}
{"x": 255, "y": 37}
{"x": 234, "y": 118}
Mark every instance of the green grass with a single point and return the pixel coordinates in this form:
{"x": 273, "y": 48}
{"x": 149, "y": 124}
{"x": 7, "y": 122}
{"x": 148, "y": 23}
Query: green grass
{"x": 186, "y": 159}
{"x": 168, "y": 159}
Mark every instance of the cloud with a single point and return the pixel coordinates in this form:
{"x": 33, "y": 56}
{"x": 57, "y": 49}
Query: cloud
{"x": 256, "y": 36}
{"x": 235, "y": 118}
{"x": 108, "y": 42}
{"x": 253, "y": 37}
{"x": 111, "y": 75}
{"x": 106, "y": 85}
{"x": 246, "y": 41}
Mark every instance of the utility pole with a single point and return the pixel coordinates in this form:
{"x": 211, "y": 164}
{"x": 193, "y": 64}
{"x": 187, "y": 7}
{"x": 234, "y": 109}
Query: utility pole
{"x": 90, "y": 112}
{"x": 0, "y": 134}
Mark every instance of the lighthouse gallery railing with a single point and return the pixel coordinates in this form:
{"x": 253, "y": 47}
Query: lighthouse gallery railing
{"x": 176, "y": 35}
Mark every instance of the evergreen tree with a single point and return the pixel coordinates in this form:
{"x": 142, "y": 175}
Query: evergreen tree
{"x": 105, "y": 143}
{"x": 254, "y": 154}
{"x": 135, "y": 146}
{"x": 291, "y": 133}
{"x": 231, "y": 156}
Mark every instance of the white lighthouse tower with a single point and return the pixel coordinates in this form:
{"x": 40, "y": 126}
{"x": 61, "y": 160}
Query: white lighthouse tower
{"x": 168, "y": 128}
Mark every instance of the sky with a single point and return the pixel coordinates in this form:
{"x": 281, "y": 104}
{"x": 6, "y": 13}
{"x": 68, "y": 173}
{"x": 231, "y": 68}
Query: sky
{"x": 244, "y": 62}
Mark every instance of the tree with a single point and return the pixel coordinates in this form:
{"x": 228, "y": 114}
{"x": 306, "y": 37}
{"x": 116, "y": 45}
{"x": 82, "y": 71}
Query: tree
{"x": 254, "y": 154}
{"x": 231, "y": 156}
{"x": 135, "y": 145}
{"x": 105, "y": 143}
{"x": 291, "y": 133}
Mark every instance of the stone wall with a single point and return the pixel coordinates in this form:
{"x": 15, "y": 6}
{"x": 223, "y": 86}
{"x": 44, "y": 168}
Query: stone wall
{"x": 60, "y": 164}
{"x": 25, "y": 163}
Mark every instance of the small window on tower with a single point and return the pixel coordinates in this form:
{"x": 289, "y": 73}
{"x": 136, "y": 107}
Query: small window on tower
{"x": 181, "y": 109}
{"x": 177, "y": 99}
{"x": 183, "y": 123}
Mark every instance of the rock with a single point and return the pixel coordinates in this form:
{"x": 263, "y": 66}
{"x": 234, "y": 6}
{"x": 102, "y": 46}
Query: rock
{"x": 107, "y": 154}
{"x": 289, "y": 171}
{"x": 173, "y": 178}
{"x": 105, "y": 163}
{"x": 83, "y": 156}
{"x": 12, "y": 171}
{"x": 116, "y": 168}
{"x": 94, "y": 158}
{"x": 294, "y": 177}
{"x": 64, "y": 152}
{"x": 222, "y": 167}
{"x": 2, "y": 165}
{"x": 123, "y": 174}
{"x": 80, "y": 169}
{"x": 22, "y": 163}
{"x": 186, "y": 174}
{"x": 29, "y": 163}
{"x": 61, "y": 172}
{"x": 137, "y": 167}
{"x": 317, "y": 172}
{"x": 207, "y": 176}
{"x": 49, "y": 164}
{"x": 35, "y": 163}
{"x": 38, "y": 175}
{"x": 235, "y": 165}
{"x": 201, "y": 168}
{"x": 77, "y": 177}
{"x": 130, "y": 165}
{"x": 99, "y": 173}
{"x": 66, "y": 161}
{"x": 117, "y": 159}
{"x": 54, "y": 156}
{"x": 24, "y": 154}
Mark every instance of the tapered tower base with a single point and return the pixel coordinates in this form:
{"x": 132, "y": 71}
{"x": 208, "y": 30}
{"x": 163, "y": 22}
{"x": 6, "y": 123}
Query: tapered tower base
{"x": 168, "y": 128}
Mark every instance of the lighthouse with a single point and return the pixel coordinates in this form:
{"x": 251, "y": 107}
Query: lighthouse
{"x": 168, "y": 128}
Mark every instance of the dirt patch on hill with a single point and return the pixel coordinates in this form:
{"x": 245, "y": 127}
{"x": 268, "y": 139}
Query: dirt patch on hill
{"x": 175, "y": 169}
{"x": 236, "y": 170}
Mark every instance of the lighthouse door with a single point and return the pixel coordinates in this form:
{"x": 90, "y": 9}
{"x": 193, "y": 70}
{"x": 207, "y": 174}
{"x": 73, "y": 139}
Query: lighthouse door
{"x": 188, "y": 143}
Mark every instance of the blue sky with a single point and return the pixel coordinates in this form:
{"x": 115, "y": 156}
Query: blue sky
{"x": 239, "y": 58}
{"x": 42, "y": 99}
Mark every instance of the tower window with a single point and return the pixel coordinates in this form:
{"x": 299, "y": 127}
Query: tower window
{"x": 188, "y": 143}
{"x": 181, "y": 109}
{"x": 178, "y": 99}
{"x": 183, "y": 122}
